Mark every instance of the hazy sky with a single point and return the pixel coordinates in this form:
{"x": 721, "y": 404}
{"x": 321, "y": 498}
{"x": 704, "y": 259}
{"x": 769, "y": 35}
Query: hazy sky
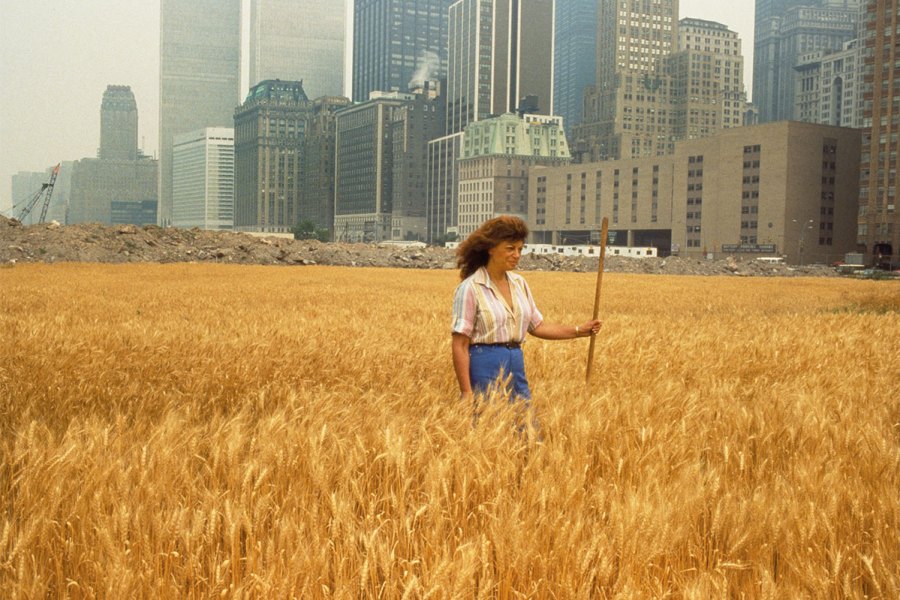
{"x": 58, "y": 56}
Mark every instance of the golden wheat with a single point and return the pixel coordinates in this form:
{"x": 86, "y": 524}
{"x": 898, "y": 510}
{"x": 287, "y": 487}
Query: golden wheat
{"x": 190, "y": 431}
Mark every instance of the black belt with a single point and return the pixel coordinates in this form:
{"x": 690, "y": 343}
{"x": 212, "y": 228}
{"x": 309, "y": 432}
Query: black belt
{"x": 510, "y": 345}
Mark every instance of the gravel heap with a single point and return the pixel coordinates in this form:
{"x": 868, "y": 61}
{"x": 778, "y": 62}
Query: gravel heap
{"x": 96, "y": 243}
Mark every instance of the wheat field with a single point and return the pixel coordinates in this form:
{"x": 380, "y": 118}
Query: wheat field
{"x": 190, "y": 431}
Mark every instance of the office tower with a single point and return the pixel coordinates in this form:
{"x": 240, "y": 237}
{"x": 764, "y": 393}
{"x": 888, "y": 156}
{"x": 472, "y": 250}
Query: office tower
{"x": 121, "y": 186}
{"x": 828, "y": 87}
{"x": 298, "y": 40}
{"x": 397, "y": 44}
{"x": 494, "y": 163}
{"x": 628, "y": 113}
{"x": 317, "y": 163}
{"x": 500, "y": 61}
{"x": 118, "y": 124}
{"x": 203, "y": 179}
{"x": 379, "y": 161}
{"x": 268, "y": 142}
{"x": 501, "y": 51}
{"x": 707, "y": 72}
{"x": 199, "y": 76}
{"x": 878, "y": 234}
{"x": 785, "y": 31}
{"x": 413, "y": 126}
{"x": 575, "y": 57}
{"x": 777, "y": 189}
{"x": 113, "y": 192}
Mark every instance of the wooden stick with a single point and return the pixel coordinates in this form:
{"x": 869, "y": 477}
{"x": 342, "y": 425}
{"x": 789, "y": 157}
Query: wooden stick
{"x": 590, "y": 360}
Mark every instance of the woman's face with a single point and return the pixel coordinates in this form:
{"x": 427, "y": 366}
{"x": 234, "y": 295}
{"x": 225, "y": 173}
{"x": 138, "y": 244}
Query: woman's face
{"x": 506, "y": 255}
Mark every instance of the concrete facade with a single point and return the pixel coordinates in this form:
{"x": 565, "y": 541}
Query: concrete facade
{"x": 778, "y": 189}
{"x": 114, "y": 192}
{"x": 203, "y": 179}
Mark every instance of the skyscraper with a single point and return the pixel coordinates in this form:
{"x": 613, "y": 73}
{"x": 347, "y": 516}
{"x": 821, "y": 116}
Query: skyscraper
{"x": 397, "y": 44}
{"x": 199, "y": 76}
{"x": 500, "y": 61}
{"x": 298, "y": 40}
{"x": 628, "y": 113}
{"x": 118, "y": 124}
{"x": 575, "y": 57}
{"x": 707, "y": 92}
{"x": 269, "y": 131}
{"x": 203, "y": 179}
{"x": 878, "y": 233}
{"x": 785, "y": 31}
{"x": 500, "y": 52}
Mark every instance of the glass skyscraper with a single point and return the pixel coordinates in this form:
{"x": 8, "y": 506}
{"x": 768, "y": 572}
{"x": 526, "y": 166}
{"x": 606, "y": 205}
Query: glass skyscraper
{"x": 199, "y": 76}
{"x": 575, "y": 57}
{"x": 398, "y": 44}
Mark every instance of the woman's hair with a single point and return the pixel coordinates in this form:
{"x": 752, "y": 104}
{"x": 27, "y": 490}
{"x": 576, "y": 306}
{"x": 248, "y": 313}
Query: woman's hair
{"x": 472, "y": 253}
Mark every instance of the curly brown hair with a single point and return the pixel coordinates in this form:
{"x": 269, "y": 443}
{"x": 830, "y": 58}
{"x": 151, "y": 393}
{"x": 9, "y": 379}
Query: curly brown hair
{"x": 472, "y": 253}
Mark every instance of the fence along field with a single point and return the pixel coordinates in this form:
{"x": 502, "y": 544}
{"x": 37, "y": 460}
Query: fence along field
{"x": 187, "y": 431}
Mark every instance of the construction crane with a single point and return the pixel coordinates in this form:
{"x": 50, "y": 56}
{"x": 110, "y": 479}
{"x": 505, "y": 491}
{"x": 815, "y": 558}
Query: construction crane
{"x": 46, "y": 191}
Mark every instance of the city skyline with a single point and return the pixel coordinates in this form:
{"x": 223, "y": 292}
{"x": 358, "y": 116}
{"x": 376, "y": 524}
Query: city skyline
{"x": 74, "y": 51}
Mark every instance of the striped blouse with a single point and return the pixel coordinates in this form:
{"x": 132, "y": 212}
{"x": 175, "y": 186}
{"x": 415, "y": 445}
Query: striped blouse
{"x": 481, "y": 313}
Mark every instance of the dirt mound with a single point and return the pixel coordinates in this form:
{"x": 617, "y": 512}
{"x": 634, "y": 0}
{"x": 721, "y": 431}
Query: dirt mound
{"x": 91, "y": 242}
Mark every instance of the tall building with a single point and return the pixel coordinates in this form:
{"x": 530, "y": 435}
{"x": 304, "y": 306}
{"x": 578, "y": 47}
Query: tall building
{"x": 298, "y": 40}
{"x": 268, "y": 143}
{"x": 787, "y": 30}
{"x": 121, "y": 186}
{"x": 203, "y": 179}
{"x": 628, "y": 113}
{"x": 317, "y": 163}
{"x": 493, "y": 165}
{"x": 367, "y": 174}
{"x": 782, "y": 189}
{"x": 501, "y": 51}
{"x": 828, "y": 87}
{"x": 575, "y": 57}
{"x": 500, "y": 61}
{"x": 707, "y": 72}
{"x": 397, "y": 44}
{"x": 199, "y": 76}
{"x": 118, "y": 124}
{"x": 878, "y": 227}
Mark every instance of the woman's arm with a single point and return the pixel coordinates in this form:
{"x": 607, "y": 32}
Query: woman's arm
{"x": 552, "y": 331}
{"x": 460, "y": 345}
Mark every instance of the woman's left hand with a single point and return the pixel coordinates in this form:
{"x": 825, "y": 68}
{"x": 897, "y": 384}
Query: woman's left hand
{"x": 588, "y": 328}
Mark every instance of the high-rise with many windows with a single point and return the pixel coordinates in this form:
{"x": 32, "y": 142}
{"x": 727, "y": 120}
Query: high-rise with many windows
{"x": 269, "y": 130}
{"x": 199, "y": 76}
{"x": 118, "y": 124}
{"x": 575, "y": 57}
{"x": 628, "y": 114}
{"x": 397, "y": 44}
{"x": 786, "y": 31}
{"x": 203, "y": 179}
{"x": 298, "y": 40}
{"x": 878, "y": 229}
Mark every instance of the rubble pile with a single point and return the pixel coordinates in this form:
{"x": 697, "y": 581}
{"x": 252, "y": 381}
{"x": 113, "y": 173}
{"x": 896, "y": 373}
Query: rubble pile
{"x": 95, "y": 243}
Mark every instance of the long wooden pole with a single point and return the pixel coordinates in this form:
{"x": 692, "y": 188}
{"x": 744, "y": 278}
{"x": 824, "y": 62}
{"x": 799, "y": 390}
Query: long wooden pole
{"x": 590, "y": 361}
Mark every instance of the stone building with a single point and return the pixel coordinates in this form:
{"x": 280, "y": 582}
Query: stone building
{"x": 269, "y": 132}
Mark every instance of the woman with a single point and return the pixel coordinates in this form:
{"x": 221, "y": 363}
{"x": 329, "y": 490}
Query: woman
{"x": 493, "y": 310}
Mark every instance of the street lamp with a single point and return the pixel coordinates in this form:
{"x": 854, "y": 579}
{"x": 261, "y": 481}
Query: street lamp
{"x": 803, "y": 228}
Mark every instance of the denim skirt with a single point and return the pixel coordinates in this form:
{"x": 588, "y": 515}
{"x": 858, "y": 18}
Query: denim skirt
{"x": 487, "y": 363}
